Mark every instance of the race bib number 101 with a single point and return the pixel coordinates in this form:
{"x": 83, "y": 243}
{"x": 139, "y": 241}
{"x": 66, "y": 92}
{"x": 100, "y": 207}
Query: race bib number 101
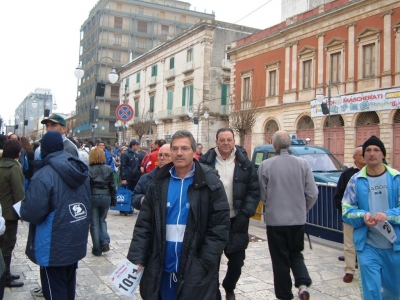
{"x": 125, "y": 278}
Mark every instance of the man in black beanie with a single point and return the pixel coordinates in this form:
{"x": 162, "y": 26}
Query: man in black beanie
{"x": 371, "y": 205}
{"x": 373, "y": 140}
{"x": 57, "y": 205}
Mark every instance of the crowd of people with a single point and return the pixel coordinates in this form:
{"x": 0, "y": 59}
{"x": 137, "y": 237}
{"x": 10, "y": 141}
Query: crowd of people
{"x": 194, "y": 207}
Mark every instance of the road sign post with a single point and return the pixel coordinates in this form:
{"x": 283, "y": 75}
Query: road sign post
{"x": 124, "y": 113}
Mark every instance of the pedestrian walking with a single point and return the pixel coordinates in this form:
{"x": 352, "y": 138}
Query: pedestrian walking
{"x": 130, "y": 166}
{"x": 349, "y": 249}
{"x": 372, "y": 198}
{"x": 182, "y": 228}
{"x": 138, "y": 195}
{"x": 199, "y": 151}
{"x": 242, "y": 190}
{"x": 57, "y": 206}
{"x": 103, "y": 195}
{"x": 288, "y": 191}
{"x": 11, "y": 192}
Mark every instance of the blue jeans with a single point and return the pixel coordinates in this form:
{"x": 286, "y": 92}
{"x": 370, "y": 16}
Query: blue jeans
{"x": 98, "y": 226}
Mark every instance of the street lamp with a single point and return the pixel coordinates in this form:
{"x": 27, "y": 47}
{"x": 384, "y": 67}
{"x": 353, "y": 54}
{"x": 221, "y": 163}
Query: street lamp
{"x": 326, "y": 106}
{"x": 197, "y": 117}
{"x": 112, "y": 77}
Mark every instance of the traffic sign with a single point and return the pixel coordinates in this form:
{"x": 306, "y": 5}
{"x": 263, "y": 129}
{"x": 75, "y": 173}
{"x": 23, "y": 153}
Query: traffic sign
{"x": 124, "y": 112}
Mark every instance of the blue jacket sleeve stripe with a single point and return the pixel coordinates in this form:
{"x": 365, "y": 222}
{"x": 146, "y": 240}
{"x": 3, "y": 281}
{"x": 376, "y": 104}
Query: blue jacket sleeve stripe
{"x": 43, "y": 240}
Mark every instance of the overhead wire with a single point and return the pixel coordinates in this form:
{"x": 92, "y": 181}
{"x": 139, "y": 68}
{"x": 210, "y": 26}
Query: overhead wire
{"x": 252, "y": 11}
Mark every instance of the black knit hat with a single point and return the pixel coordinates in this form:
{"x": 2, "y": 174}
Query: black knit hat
{"x": 51, "y": 142}
{"x": 373, "y": 140}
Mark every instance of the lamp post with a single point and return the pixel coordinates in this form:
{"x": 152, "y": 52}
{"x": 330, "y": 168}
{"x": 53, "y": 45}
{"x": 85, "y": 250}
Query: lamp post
{"x": 326, "y": 106}
{"x": 112, "y": 77}
{"x": 197, "y": 119}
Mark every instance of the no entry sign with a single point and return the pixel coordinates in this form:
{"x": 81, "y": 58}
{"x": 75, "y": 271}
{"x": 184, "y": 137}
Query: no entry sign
{"x": 124, "y": 112}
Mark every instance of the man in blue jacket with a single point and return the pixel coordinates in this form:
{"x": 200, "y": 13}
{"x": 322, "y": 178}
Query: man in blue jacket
{"x": 371, "y": 202}
{"x": 182, "y": 228}
{"x": 57, "y": 205}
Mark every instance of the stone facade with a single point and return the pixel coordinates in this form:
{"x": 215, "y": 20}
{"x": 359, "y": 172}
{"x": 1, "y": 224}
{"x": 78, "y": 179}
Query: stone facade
{"x": 351, "y": 46}
{"x": 184, "y": 74}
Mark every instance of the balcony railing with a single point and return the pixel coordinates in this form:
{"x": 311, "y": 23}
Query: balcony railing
{"x": 226, "y": 64}
{"x": 187, "y": 67}
{"x": 136, "y": 86}
{"x": 224, "y": 110}
{"x": 165, "y": 114}
{"x": 152, "y": 80}
{"x": 180, "y": 111}
{"x": 169, "y": 73}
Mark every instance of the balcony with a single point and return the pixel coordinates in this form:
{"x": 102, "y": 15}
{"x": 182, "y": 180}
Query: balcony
{"x": 165, "y": 114}
{"x": 224, "y": 110}
{"x": 181, "y": 111}
{"x": 169, "y": 73}
{"x": 226, "y": 64}
{"x": 152, "y": 80}
{"x": 136, "y": 86}
{"x": 187, "y": 67}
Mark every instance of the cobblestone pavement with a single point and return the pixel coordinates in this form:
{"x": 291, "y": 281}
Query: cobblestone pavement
{"x": 256, "y": 281}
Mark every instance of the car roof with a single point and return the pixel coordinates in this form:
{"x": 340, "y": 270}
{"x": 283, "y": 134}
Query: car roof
{"x": 295, "y": 149}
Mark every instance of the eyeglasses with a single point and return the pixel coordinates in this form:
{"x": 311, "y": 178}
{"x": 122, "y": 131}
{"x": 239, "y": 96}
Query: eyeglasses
{"x": 165, "y": 155}
{"x": 183, "y": 149}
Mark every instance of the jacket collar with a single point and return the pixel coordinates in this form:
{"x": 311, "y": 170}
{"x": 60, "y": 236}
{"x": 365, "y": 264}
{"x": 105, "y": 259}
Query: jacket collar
{"x": 199, "y": 179}
{"x": 241, "y": 157}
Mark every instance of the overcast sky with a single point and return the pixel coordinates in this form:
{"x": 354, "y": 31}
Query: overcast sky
{"x": 40, "y": 43}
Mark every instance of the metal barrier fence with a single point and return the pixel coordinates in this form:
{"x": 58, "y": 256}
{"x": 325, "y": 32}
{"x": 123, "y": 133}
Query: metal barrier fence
{"x": 324, "y": 220}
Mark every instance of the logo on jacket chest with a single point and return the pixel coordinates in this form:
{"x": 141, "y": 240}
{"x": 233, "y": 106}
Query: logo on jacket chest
{"x": 78, "y": 211}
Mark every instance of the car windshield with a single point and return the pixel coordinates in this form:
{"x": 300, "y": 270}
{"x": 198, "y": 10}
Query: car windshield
{"x": 322, "y": 162}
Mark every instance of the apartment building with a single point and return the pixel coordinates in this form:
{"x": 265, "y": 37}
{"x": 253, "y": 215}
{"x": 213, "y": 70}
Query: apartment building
{"x": 183, "y": 83}
{"x": 350, "y": 47}
{"x": 36, "y": 105}
{"x": 115, "y": 33}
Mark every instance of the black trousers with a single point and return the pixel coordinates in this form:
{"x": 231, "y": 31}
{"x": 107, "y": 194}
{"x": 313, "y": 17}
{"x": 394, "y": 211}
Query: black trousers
{"x": 285, "y": 245}
{"x": 9, "y": 238}
{"x": 59, "y": 282}
{"x": 234, "y": 270}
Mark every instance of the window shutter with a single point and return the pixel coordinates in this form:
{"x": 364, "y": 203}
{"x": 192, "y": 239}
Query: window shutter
{"x": 155, "y": 70}
{"x": 136, "y": 108}
{"x": 137, "y": 77}
{"x": 223, "y": 94}
{"x": 127, "y": 81}
{"x": 171, "y": 63}
{"x": 191, "y": 95}
{"x": 170, "y": 99}
{"x": 183, "y": 96}
{"x": 151, "y": 103}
